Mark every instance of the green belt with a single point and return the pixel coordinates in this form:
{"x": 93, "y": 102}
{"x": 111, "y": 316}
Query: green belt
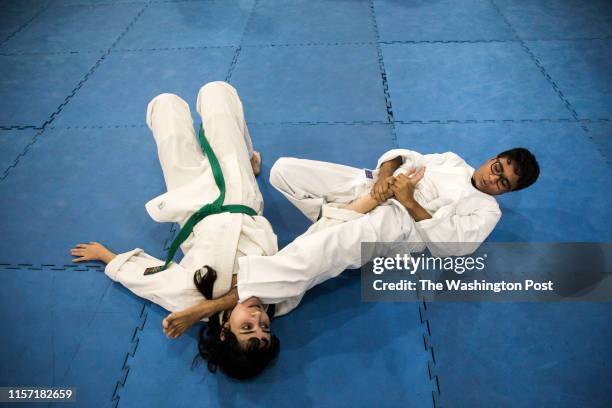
{"x": 216, "y": 207}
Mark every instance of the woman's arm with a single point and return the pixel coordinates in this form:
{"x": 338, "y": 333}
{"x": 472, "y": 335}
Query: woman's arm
{"x": 92, "y": 252}
{"x": 363, "y": 204}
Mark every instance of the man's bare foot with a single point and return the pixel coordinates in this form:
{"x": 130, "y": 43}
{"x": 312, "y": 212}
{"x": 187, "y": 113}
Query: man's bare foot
{"x": 178, "y": 323}
{"x": 256, "y": 162}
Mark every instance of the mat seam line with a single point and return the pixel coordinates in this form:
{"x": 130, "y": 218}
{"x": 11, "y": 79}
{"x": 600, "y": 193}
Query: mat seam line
{"x": 383, "y": 74}
{"x": 554, "y": 85}
{"x": 288, "y": 45}
{"x": 238, "y": 51}
{"x": 73, "y": 93}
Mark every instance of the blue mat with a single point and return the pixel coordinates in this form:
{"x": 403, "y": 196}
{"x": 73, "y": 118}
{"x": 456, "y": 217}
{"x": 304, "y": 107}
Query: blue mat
{"x": 78, "y": 169}
{"x": 82, "y": 324}
{"x": 480, "y": 81}
{"x": 340, "y": 81}
{"x": 447, "y": 20}
{"x": 336, "y": 351}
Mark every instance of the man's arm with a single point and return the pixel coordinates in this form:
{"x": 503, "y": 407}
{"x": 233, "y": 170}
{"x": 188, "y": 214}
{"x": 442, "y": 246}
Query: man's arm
{"x": 380, "y": 190}
{"x": 403, "y": 189}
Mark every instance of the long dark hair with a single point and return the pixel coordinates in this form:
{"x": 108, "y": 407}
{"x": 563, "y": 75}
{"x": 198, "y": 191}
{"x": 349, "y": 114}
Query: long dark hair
{"x": 227, "y": 354}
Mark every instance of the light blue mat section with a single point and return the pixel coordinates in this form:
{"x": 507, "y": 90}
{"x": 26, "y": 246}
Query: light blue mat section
{"x": 124, "y": 84}
{"x": 311, "y": 84}
{"x": 471, "y": 80}
{"x": 66, "y": 326}
{"x": 310, "y": 21}
{"x": 582, "y": 72}
{"x": 62, "y": 208}
{"x": 446, "y": 20}
{"x": 34, "y": 86}
{"x": 189, "y": 24}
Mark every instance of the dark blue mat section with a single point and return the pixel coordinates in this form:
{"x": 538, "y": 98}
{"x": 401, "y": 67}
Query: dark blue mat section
{"x": 560, "y": 148}
{"x": 311, "y": 84}
{"x": 135, "y": 78}
{"x": 468, "y": 20}
{"x": 336, "y": 351}
{"x": 555, "y": 19}
{"x": 53, "y": 30}
{"x": 315, "y": 142}
{"x": 189, "y": 24}
{"x": 310, "y": 21}
{"x": 82, "y": 324}
{"x": 522, "y": 355}
{"x": 471, "y": 80}
{"x": 581, "y": 70}
{"x": 76, "y": 171}
{"x": 34, "y": 86}
{"x": 16, "y": 14}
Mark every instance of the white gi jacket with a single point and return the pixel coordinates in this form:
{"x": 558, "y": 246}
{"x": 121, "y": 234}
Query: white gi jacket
{"x": 219, "y": 239}
{"x": 460, "y": 214}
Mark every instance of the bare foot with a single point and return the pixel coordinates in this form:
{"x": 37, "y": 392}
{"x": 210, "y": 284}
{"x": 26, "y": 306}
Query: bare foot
{"x": 178, "y": 323}
{"x": 256, "y": 162}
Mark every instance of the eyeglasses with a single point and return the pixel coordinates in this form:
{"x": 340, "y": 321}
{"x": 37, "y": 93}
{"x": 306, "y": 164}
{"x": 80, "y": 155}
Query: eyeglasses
{"x": 498, "y": 169}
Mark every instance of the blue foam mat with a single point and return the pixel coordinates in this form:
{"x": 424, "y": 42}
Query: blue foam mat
{"x": 555, "y": 19}
{"x": 528, "y": 215}
{"x": 581, "y": 70}
{"x": 53, "y": 30}
{"x": 335, "y": 351}
{"x": 468, "y": 20}
{"x": 310, "y": 21}
{"x": 32, "y": 87}
{"x": 311, "y": 84}
{"x": 472, "y": 81}
{"x": 12, "y": 144}
{"x": 601, "y": 134}
{"x": 522, "y": 354}
{"x": 189, "y": 24}
{"x": 124, "y": 83}
{"x": 82, "y": 326}
{"x": 86, "y": 190}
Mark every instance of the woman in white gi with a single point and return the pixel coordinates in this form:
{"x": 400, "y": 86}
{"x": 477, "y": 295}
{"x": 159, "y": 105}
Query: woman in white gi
{"x": 239, "y": 342}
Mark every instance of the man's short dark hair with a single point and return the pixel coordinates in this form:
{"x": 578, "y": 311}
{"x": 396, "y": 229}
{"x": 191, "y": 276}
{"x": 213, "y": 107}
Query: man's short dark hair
{"x": 525, "y": 166}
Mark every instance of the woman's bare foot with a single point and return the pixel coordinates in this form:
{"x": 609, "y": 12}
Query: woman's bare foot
{"x": 178, "y": 323}
{"x": 256, "y": 162}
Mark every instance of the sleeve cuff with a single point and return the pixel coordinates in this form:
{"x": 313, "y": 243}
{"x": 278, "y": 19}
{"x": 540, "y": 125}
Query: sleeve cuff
{"x": 336, "y": 213}
{"x": 113, "y": 267}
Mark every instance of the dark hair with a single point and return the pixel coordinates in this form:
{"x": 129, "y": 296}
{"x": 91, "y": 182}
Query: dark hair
{"x": 525, "y": 166}
{"x": 228, "y": 354}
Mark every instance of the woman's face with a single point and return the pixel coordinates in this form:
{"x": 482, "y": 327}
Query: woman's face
{"x": 249, "y": 320}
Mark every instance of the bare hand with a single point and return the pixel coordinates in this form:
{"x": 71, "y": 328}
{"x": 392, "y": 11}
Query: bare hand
{"x": 381, "y": 190}
{"x": 93, "y": 251}
{"x": 404, "y": 184}
{"x": 177, "y": 323}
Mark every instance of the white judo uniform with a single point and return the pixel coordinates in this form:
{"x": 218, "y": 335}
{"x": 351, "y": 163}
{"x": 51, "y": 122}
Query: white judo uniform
{"x": 220, "y": 239}
{"x": 461, "y": 215}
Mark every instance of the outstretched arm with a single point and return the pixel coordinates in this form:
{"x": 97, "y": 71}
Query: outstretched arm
{"x": 178, "y": 323}
{"x": 93, "y": 251}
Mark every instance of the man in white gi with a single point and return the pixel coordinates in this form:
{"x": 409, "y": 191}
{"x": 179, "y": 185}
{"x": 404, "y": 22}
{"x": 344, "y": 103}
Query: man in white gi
{"x": 436, "y": 201}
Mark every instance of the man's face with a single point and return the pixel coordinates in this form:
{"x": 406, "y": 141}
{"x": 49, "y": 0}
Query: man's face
{"x": 496, "y": 176}
{"x": 250, "y": 320}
